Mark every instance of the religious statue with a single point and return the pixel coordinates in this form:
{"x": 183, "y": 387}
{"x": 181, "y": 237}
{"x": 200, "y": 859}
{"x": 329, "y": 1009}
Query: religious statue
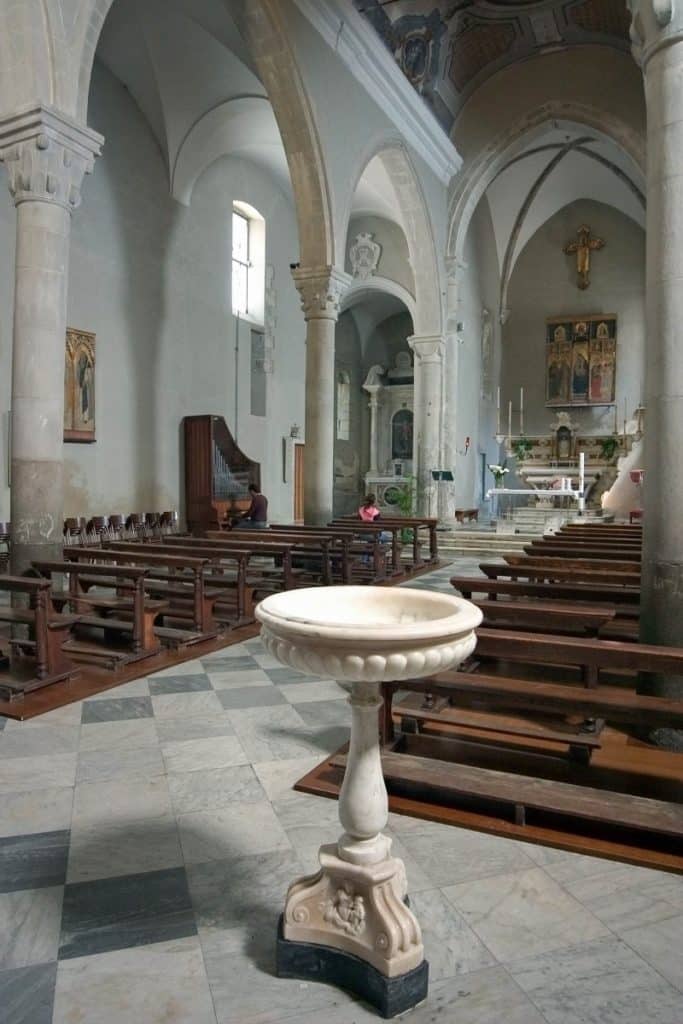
{"x": 583, "y": 247}
{"x": 375, "y": 373}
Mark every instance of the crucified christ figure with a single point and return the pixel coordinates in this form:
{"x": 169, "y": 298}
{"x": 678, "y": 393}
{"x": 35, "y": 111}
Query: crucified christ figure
{"x": 583, "y": 247}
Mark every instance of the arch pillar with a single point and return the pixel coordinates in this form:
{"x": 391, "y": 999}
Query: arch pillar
{"x": 46, "y": 155}
{"x": 429, "y": 365}
{"x": 657, "y": 32}
{"x": 321, "y": 290}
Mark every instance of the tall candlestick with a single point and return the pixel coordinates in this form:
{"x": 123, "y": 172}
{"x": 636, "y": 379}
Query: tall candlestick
{"x": 624, "y": 417}
{"x": 616, "y": 419}
{"x": 509, "y": 423}
{"x": 521, "y": 410}
{"x": 498, "y": 411}
{"x": 582, "y": 481}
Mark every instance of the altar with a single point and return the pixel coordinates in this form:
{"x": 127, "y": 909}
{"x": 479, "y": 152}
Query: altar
{"x": 391, "y": 431}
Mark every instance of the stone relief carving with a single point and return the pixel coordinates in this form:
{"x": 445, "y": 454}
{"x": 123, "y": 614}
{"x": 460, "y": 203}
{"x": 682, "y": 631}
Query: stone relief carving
{"x": 375, "y": 373}
{"x": 345, "y": 910}
{"x": 364, "y": 255}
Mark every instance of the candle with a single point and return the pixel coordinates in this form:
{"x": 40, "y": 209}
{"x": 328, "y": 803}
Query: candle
{"x": 509, "y": 423}
{"x": 616, "y": 419}
{"x": 521, "y": 410}
{"x": 498, "y": 411}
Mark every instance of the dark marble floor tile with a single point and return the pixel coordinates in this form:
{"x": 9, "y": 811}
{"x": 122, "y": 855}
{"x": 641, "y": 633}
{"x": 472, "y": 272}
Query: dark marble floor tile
{"x": 133, "y": 910}
{"x": 240, "y": 664}
{"x": 325, "y": 712}
{"x": 33, "y": 861}
{"x": 250, "y": 697}
{"x": 27, "y": 994}
{"x": 284, "y": 676}
{"x": 116, "y": 710}
{"x": 179, "y": 684}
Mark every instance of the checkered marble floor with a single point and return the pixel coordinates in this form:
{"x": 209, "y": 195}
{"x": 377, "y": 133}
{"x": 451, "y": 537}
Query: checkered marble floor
{"x": 147, "y": 837}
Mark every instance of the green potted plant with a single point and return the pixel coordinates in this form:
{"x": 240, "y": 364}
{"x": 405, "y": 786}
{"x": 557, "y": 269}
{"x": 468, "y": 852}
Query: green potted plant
{"x": 608, "y": 447}
{"x": 522, "y": 448}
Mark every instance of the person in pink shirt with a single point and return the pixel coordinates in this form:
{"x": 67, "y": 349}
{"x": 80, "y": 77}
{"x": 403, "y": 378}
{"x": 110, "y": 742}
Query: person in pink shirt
{"x": 368, "y": 511}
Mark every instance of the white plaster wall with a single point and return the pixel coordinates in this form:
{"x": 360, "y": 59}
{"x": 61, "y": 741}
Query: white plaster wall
{"x": 469, "y": 415}
{"x": 152, "y": 279}
{"x": 543, "y": 284}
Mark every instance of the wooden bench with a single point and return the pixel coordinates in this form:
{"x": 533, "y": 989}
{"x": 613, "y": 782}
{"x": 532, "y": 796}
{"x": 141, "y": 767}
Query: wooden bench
{"x": 626, "y": 600}
{"x": 542, "y": 550}
{"x": 561, "y": 562}
{"x": 521, "y": 794}
{"x": 48, "y": 632}
{"x": 415, "y": 523}
{"x": 177, "y": 578}
{"x": 226, "y": 549}
{"x": 469, "y": 514}
{"x": 97, "y": 611}
{"x": 559, "y": 574}
{"x": 365, "y": 544}
{"x": 544, "y": 617}
{"x": 332, "y": 553}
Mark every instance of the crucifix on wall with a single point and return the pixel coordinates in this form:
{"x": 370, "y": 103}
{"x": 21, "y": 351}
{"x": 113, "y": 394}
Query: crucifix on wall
{"x": 583, "y": 247}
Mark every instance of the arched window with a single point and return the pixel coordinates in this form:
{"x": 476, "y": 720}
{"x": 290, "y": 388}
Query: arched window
{"x": 343, "y": 406}
{"x": 248, "y": 262}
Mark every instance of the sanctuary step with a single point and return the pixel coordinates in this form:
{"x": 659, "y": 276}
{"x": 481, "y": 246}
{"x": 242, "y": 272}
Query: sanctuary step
{"x": 481, "y": 542}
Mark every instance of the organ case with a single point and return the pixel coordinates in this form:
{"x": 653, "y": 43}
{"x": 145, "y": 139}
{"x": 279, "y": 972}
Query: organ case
{"x": 217, "y": 474}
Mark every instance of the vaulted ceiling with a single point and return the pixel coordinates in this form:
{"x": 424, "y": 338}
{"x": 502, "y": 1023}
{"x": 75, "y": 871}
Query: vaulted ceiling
{"x": 447, "y": 48}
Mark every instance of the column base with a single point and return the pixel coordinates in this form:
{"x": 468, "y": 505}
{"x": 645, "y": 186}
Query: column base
{"x": 309, "y": 961}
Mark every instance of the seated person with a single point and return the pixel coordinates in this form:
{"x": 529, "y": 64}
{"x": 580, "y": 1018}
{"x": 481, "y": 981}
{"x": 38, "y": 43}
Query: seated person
{"x": 256, "y": 516}
{"x": 369, "y": 513}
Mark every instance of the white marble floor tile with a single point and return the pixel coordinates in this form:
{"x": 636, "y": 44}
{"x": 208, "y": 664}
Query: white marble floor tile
{"x": 303, "y": 693}
{"x": 127, "y": 734}
{"x": 213, "y": 789}
{"x": 120, "y": 801}
{"x": 103, "y": 765}
{"x": 203, "y": 754}
{"x": 39, "y": 741}
{"x": 70, "y": 714}
{"x": 456, "y": 855}
{"x": 602, "y": 982}
{"x": 135, "y": 688}
{"x": 29, "y": 926}
{"x": 22, "y": 773}
{"x": 179, "y": 705}
{"x": 523, "y": 913}
{"x": 451, "y": 947}
{"x": 164, "y": 983}
{"x": 626, "y": 897}
{"x": 171, "y": 730}
{"x": 268, "y": 734}
{"x": 278, "y": 777}
{"x": 661, "y": 944}
{"x": 235, "y": 831}
{"x": 237, "y": 680}
{"x": 37, "y": 810}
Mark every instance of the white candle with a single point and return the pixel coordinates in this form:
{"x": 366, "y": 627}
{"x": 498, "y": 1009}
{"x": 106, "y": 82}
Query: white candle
{"x": 498, "y": 411}
{"x": 521, "y": 410}
{"x": 616, "y": 419}
{"x": 509, "y": 422}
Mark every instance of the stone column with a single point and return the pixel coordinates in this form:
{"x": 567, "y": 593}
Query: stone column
{"x": 657, "y": 34}
{"x": 46, "y": 155}
{"x": 429, "y": 357}
{"x": 372, "y": 390}
{"x": 321, "y": 290}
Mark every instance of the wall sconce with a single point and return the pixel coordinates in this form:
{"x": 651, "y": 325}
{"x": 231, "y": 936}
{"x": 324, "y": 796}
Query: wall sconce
{"x": 294, "y": 430}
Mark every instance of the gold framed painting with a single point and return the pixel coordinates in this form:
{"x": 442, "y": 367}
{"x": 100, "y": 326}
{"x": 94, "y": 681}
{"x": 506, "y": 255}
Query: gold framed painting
{"x": 580, "y": 360}
{"x": 79, "y": 386}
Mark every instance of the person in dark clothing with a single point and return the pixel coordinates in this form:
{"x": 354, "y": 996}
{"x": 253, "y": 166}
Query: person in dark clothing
{"x": 256, "y": 516}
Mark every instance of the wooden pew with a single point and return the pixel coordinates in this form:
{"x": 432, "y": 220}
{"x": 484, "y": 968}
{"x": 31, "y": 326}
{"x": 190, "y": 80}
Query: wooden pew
{"x": 537, "y": 550}
{"x": 225, "y": 549}
{"x": 559, "y": 574}
{"x": 94, "y": 610}
{"x": 560, "y": 562}
{"x": 235, "y": 603}
{"x": 625, "y": 599}
{"x": 414, "y": 523}
{"x": 332, "y": 552}
{"x": 368, "y": 545}
{"x": 177, "y": 578}
{"x": 48, "y": 630}
{"x": 545, "y": 617}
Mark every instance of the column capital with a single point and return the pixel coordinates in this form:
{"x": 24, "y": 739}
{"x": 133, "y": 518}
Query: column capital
{"x": 428, "y": 348}
{"x": 654, "y": 24}
{"x": 46, "y": 154}
{"x": 321, "y": 290}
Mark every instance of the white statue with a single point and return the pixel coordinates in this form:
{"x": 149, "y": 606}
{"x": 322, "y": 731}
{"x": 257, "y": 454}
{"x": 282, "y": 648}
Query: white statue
{"x": 403, "y": 367}
{"x": 374, "y": 374}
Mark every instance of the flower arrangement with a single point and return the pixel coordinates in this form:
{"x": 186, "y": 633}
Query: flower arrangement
{"x": 498, "y": 473}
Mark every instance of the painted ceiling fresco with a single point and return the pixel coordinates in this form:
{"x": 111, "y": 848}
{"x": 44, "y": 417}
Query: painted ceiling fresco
{"x": 447, "y": 49}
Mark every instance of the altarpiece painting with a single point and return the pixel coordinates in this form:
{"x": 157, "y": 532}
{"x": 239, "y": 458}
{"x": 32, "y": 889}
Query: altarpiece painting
{"x": 580, "y": 360}
{"x": 79, "y": 386}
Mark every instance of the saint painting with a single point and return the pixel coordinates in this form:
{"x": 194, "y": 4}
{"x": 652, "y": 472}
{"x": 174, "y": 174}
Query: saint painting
{"x": 580, "y": 361}
{"x": 402, "y": 435}
{"x": 79, "y": 386}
